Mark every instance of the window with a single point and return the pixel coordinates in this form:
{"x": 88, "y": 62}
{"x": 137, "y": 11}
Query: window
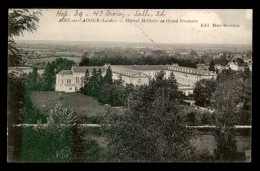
{"x": 139, "y": 81}
{"x": 62, "y": 81}
{"x": 68, "y": 81}
{"x": 70, "y": 88}
{"x": 77, "y": 79}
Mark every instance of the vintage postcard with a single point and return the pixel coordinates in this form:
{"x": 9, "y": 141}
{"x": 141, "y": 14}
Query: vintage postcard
{"x": 129, "y": 85}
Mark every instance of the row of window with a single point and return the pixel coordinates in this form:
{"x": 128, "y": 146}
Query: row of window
{"x": 69, "y": 80}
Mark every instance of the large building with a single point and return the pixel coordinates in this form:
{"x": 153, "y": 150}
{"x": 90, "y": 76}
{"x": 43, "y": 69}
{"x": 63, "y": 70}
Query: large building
{"x": 72, "y": 80}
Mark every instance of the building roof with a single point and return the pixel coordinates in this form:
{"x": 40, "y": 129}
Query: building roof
{"x": 123, "y": 70}
{"x": 145, "y": 67}
{"x": 167, "y": 67}
{"x": 83, "y": 69}
{"x": 65, "y": 72}
{"x": 190, "y": 70}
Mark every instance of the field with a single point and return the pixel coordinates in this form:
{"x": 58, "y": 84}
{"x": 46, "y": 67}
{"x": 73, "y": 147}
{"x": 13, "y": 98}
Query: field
{"x": 83, "y": 105}
{"x": 40, "y": 60}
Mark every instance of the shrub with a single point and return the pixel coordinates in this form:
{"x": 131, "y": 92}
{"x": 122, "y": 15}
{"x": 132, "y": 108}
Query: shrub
{"x": 92, "y": 151}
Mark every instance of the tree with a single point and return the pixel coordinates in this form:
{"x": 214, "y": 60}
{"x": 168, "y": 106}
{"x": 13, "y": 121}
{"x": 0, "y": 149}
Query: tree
{"x": 229, "y": 92}
{"x": 212, "y": 66}
{"x": 51, "y": 69}
{"x": 62, "y": 64}
{"x": 33, "y": 81}
{"x": 148, "y": 129}
{"x": 92, "y": 85}
{"x": 84, "y": 59}
{"x": 86, "y": 81}
{"x": 203, "y": 92}
{"x": 19, "y": 20}
{"x": 108, "y": 77}
{"x": 49, "y": 78}
{"x": 15, "y": 104}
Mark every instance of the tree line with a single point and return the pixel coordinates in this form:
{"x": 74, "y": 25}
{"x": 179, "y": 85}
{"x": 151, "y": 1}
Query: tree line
{"x": 140, "y": 60}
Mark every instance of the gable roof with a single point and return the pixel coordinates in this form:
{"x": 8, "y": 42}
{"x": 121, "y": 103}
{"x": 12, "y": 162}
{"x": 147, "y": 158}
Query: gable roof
{"x": 65, "y": 72}
{"x": 121, "y": 69}
{"x": 83, "y": 69}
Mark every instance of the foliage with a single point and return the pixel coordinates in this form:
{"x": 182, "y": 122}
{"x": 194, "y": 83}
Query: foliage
{"x": 226, "y": 144}
{"x": 108, "y": 76}
{"x": 212, "y": 66}
{"x": 116, "y": 58}
{"x": 33, "y": 81}
{"x": 19, "y": 20}
{"x": 203, "y": 92}
{"x": 151, "y": 129}
{"x": 92, "y": 151}
{"x": 84, "y": 59}
{"x": 48, "y": 78}
{"x": 84, "y": 89}
{"x": 61, "y": 115}
{"x": 32, "y": 115}
{"x": 225, "y": 99}
{"x": 15, "y": 104}
{"x": 41, "y": 145}
{"x": 222, "y": 60}
{"x": 51, "y": 143}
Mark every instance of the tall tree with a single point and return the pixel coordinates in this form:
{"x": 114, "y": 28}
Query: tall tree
{"x": 84, "y": 59}
{"x": 212, "y": 66}
{"x": 33, "y": 80}
{"x": 48, "y": 78}
{"x": 19, "y": 20}
{"x": 225, "y": 99}
{"x": 108, "y": 77}
{"x": 92, "y": 85}
{"x": 203, "y": 92}
{"x": 86, "y": 81}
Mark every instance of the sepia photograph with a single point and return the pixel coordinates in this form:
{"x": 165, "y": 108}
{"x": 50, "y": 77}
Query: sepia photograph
{"x": 129, "y": 85}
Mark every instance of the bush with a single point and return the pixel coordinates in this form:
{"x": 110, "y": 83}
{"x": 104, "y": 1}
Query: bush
{"x": 41, "y": 145}
{"x": 51, "y": 143}
{"x": 92, "y": 151}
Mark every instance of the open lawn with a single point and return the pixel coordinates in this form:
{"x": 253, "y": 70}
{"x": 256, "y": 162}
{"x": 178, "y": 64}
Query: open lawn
{"x": 83, "y": 105}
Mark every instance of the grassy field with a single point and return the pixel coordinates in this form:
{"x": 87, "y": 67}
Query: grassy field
{"x": 83, "y": 105}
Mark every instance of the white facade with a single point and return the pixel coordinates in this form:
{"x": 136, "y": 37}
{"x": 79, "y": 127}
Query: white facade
{"x": 72, "y": 80}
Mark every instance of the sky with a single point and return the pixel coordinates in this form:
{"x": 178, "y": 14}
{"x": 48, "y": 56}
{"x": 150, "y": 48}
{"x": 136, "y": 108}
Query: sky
{"x": 50, "y": 29}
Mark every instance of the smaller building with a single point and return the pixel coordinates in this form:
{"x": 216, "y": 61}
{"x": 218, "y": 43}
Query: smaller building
{"x": 202, "y": 66}
{"x": 235, "y": 66}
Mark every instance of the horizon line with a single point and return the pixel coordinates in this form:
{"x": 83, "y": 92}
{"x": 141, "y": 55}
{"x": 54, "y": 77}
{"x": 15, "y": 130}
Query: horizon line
{"x": 135, "y": 42}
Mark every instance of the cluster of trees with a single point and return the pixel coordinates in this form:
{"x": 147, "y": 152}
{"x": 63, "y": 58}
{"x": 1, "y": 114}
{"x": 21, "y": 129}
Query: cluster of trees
{"x": 46, "y": 82}
{"x": 151, "y": 128}
{"x": 101, "y": 60}
{"x": 52, "y": 143}
{"x": 19, "y": 20}
{"x": 230, "y": 96}
{"x": 104, "y": 88}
